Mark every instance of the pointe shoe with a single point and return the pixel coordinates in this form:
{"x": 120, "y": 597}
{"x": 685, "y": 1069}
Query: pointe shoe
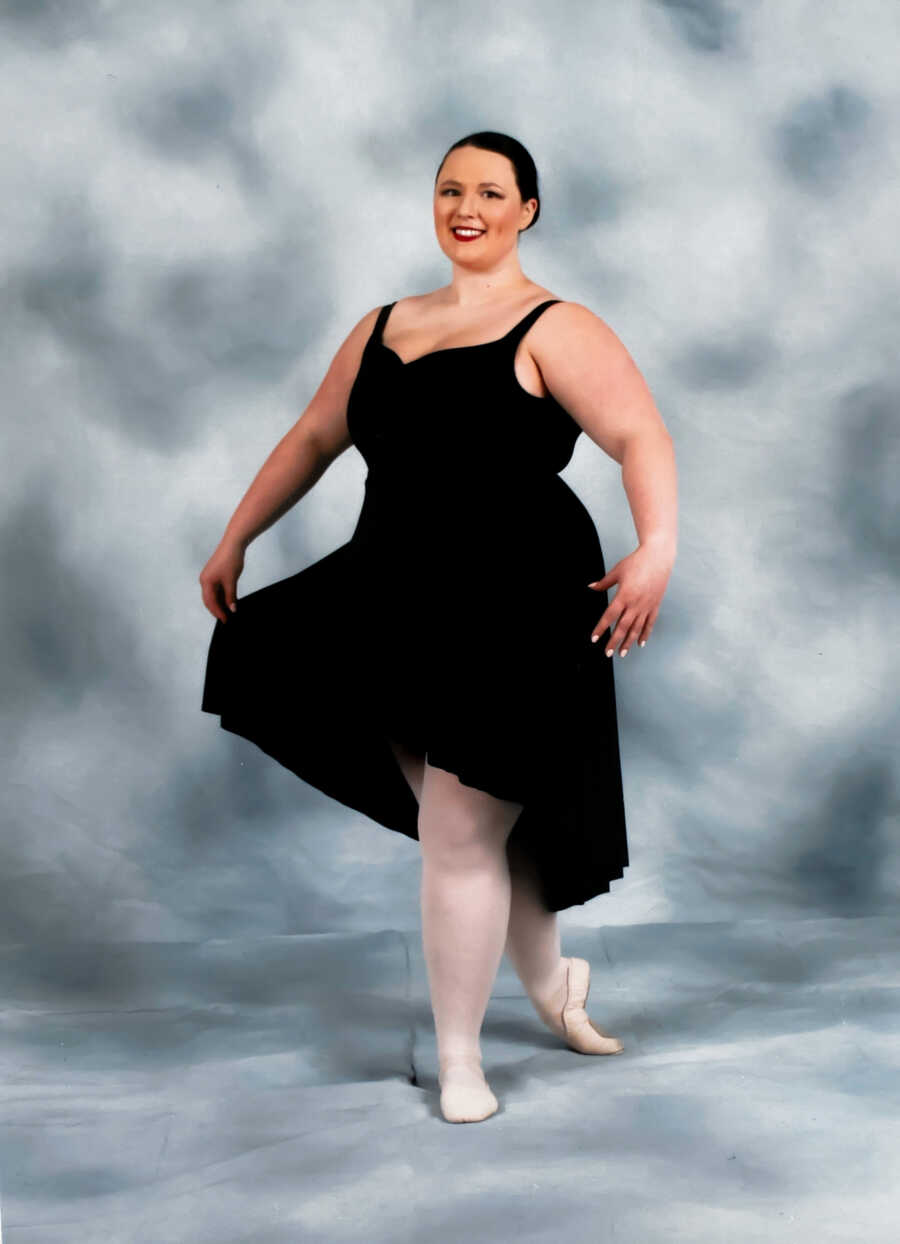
{"x": 465, "y": 1096}
{"x": 572, "y": 1023}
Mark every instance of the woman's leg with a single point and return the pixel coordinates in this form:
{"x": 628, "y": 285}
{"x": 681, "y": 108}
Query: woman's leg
{"x": 533, "y": 943}
{"x": 533, "y": 946}
{"x": 533, "y": 939}
{"x": 465, "y": 896}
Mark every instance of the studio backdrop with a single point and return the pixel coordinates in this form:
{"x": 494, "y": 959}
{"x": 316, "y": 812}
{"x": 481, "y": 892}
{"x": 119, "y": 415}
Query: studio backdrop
{"x": 197, "y": 207}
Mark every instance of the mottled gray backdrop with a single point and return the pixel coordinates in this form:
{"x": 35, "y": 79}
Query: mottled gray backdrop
{"x": 198, "y": 203}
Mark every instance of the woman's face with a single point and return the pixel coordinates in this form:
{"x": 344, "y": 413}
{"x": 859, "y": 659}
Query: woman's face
{"x": 478, "y": 188}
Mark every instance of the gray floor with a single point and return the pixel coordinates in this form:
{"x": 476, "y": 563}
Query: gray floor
{"x": 283, "y": 1089}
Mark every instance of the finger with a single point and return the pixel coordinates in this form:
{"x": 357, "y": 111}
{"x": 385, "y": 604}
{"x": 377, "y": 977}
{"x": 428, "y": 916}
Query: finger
{"x": 621, "y": 630}
{"x": 607, "y": 622}
{"x": 634, "y": 631}
{"x": 607, "y": 581}
{"x": 612, "y": 614}
{"x": 222, "y": 591}
{"x": 648, "y": 626}
{"x": 212, "y": 604}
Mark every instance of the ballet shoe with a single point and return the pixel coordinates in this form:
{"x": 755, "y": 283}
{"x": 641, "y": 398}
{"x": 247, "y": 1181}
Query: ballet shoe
{"x": 571, "y": 1022}
{"x": 465, "y": 1095}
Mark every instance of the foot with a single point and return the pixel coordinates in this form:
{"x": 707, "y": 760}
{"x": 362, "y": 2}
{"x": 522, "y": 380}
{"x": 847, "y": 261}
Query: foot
{"x": 465, "y": 1095}
{"x": 562, "y": 1010}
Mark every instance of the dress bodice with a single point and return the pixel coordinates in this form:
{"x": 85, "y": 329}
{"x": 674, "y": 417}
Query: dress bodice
{"x": 460, "y": 408}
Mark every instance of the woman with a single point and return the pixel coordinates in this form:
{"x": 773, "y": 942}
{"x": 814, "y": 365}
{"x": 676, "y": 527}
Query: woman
{"x": 437, "y": 672}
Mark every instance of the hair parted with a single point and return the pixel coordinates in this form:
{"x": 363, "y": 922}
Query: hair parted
{"x": 516, "y": 153}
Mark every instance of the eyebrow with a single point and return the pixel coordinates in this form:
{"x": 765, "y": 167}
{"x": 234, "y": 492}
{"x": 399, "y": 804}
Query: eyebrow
{"x": 448, "y": 180}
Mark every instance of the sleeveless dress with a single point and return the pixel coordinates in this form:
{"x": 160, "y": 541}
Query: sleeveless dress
{"x": 456, "y": 620}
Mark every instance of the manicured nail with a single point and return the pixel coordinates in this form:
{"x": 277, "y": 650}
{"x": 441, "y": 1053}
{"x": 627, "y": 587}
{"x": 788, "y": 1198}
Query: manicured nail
{"x": 642, "y": 644}
{"x": 594, "y": 638}
{"x": 609, "y": 652}
{"x": 622, "y": 652}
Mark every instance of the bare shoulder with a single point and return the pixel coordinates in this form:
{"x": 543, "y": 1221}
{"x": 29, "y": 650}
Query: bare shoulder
{"x": 346, "y": 360}
{"x": 590, "y": 372}
{"x": 325, "y": 418}
{"x": 572, "y": 323}
{"x": 416, "y": 307}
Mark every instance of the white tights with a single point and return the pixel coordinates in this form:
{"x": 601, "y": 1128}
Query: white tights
{"x": 477, "y": 900}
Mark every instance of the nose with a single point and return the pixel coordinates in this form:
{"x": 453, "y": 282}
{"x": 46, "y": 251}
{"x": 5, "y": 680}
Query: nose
{"x": 467, "y": 206}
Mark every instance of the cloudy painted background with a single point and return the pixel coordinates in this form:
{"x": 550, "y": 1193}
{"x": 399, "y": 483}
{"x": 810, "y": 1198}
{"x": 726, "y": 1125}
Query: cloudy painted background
{"x": 199, "y": 201}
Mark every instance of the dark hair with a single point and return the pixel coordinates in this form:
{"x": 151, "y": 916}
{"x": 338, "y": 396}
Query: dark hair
{"x": 503, "y": 144}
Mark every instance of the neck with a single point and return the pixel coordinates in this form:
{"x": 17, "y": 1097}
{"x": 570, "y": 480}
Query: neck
{"x": 502, "y": 283}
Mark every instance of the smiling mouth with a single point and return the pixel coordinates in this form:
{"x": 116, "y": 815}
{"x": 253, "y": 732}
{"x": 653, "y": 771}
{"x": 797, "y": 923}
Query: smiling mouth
{"x": 467, "y": 233}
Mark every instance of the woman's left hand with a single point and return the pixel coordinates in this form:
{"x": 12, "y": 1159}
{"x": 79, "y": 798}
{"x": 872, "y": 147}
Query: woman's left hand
{"x": 642, "y": 577}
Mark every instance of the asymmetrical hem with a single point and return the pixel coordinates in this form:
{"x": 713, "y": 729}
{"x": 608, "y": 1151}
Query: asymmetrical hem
{"x": 456, "y": 620}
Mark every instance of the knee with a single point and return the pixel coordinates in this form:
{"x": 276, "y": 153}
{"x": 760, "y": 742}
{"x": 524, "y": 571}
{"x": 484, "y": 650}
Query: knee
{"x": 457, "y": 843}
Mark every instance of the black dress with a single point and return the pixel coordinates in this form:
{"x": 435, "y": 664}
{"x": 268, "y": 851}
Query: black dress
{"x": 456, "y": 619}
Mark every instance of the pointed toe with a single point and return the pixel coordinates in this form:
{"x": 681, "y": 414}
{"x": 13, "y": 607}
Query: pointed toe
{"x": 579, "y": 1030}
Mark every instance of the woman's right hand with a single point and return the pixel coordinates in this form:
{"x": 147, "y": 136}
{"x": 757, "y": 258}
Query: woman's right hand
{"x": 219, "y": 577}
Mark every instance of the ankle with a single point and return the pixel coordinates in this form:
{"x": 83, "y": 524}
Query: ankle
{"x": 552, "y": 986}
{"x": 468, "y": 1058}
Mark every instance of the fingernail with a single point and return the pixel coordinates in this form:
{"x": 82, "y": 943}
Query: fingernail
{"x": 594, "y": 638}
{"x": 609, "y": 652}
{"x": 622, "y": 652}
{"x": 642, "y": 644}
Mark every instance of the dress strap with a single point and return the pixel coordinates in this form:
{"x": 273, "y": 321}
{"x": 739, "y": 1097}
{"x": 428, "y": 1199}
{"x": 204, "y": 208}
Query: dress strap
{"x": 516, "y": 334}
{"x": 375, "y": 337}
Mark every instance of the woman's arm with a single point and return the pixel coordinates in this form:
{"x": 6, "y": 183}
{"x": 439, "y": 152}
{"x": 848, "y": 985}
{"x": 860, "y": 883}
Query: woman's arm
{"x": 306, "y": 451}
{"x": 591, "y": 374}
